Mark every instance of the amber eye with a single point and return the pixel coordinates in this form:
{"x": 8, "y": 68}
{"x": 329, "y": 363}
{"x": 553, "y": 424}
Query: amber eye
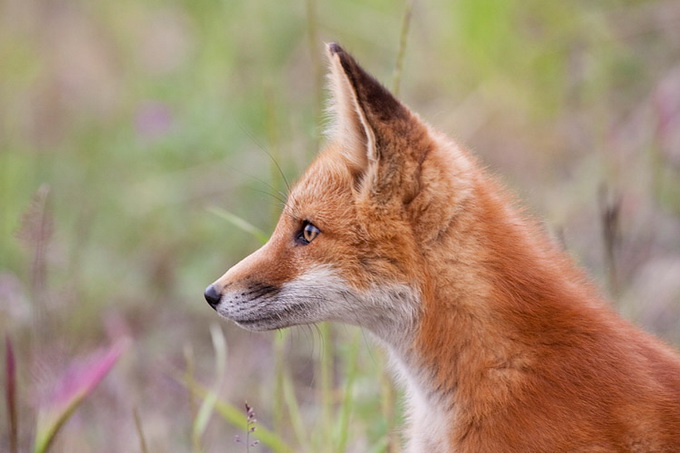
{"x": 309, "y": 233}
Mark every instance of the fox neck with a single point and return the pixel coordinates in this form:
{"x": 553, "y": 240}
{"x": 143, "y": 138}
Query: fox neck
{"x": 497, "y": 289}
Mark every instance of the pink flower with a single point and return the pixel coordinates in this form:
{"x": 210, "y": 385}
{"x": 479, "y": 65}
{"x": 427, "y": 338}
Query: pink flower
{"x": 79, "y": 380}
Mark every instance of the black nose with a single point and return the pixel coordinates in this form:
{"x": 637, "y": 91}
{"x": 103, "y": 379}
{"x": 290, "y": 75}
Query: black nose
{"x": 212, "y": 296}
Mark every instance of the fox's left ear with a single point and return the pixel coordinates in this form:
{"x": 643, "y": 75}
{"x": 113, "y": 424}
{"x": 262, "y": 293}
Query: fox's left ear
{"x": 383, "y": 140}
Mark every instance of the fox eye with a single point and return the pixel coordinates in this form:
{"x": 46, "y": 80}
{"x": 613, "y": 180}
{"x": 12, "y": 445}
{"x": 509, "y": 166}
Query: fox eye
{"x": 308, "y": 234}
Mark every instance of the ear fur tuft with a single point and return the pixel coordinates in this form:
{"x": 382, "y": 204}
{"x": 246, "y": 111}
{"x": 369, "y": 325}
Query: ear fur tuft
{"x": 346, "y": 125}
{"x": 334, "y": 48}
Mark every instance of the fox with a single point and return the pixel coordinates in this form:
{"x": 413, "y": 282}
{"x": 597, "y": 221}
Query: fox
{"x": 501, "y": 342}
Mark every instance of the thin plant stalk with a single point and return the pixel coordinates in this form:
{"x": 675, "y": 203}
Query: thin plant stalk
{"x": 277, "y": 181}
{"x": 388, "y": 393}
{"x": 401, "y": 54}
{"x": 193, "y": 406}
{"x": 241, "y": 223}
{"x": 326, "y": 385}
{"x": 208, "y": 405}
{"x": 11, "y": 395}
{"x": 610, "y": 210}
{"x": 36, "y": 233}
{"x": 325, "y": 365}
{"x": 348, "y": 401}
{"x": 234, "y": 416}
{"x": 388, "y": 405}
{"x": 140, "y": 431}
{"x": 299, "y": 428}
{"x": 280, "y": 377}
{"x": 317, "y": 67}
{"x": 380, "y": 447}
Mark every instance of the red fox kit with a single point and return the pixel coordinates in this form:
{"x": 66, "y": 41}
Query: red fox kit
{"x": 501, "y": 342}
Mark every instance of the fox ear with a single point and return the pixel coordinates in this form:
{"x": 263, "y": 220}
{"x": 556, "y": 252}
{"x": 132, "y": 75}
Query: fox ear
{"x": 378, "y": 133}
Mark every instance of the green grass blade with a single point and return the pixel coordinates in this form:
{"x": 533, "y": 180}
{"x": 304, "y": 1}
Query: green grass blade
{"x": 237, "y": 418}
{"x": 208, "y": 406}
{"x": 74, "y": 386}
{"x": 403, "y": 39}
{"x": 241, "y": 224}
{"x": 140, "y": 432}
{"x": 326, "y": 386}
{"x": 296, "y": 420}
{"x": 379, "y": 446}
{"x": 342, "y": 433}
{"x": 280, "y": 376}
{"x": 11, "y": 395}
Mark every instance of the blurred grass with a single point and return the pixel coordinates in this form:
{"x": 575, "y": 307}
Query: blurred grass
{"x": 143, "y": 117}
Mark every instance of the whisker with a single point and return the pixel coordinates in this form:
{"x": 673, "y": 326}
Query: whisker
{"x": 264, "y": 150}
{"x": 280, "y": 200}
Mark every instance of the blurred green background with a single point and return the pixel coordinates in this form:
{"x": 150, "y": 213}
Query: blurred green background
{"x": 125, "y": 125}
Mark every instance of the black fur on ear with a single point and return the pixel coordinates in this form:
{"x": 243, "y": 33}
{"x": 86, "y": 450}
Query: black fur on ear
{"x": 376, "y": 101}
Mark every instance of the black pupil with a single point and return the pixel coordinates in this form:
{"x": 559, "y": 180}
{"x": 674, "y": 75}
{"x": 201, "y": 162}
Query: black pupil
{"x": 309, "y": 232}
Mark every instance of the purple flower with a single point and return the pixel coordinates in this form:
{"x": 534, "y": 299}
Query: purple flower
{"x": 153, "y": 120}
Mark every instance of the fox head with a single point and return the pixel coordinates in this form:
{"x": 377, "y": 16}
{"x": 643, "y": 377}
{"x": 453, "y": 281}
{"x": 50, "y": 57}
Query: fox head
{"x": 359, "y": 229}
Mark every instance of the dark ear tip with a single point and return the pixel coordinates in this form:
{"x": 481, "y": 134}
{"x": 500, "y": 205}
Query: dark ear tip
{"x": 334, "y": 48}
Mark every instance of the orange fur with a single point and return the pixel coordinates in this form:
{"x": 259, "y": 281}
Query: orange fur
{"x": 502, "y": 343}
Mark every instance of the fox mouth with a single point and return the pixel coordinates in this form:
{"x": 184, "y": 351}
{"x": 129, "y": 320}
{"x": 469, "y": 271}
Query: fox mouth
{"x": 316, "y": 295}
{"x": 263, "y": 323}
{"x": 286, "y": 317}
